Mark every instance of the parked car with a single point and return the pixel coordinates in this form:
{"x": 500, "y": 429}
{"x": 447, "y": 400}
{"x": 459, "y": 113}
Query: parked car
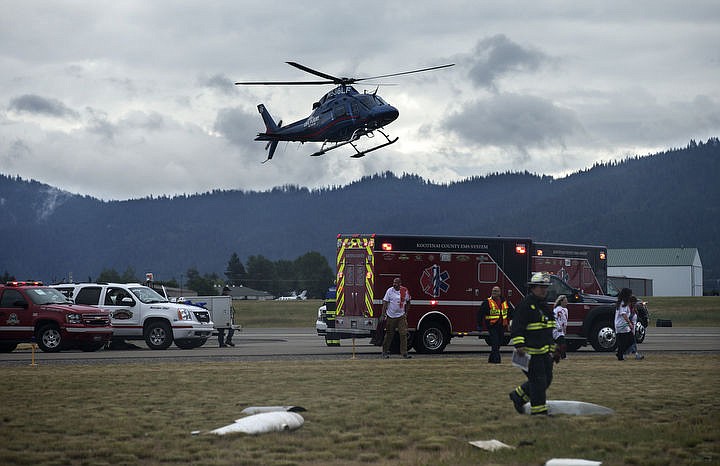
{"x": 140, "y": 313}
{"x": 33, "y": 313}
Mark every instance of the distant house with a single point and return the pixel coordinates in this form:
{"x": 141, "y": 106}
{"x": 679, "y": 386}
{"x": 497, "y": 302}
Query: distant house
{"x": 243, "y": 292}
{"x": 674, "y": 271}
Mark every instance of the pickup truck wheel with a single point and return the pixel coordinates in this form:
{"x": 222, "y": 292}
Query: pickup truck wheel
{"x": 432, "y": 338}
{"x": 49, "y": 338}
{"x": 7, "y": 347}
{"x": 639, "y": 332}
{"x": 158, "y": 335}
{"x": 602, "y": 337}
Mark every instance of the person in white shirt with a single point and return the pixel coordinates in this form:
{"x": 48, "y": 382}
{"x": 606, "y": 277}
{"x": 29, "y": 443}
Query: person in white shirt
{"x": 623, "y": 324}
{"x": 561, "y": 319}
{"x": 395, "y": 305}
{"x": 633, "y": 320}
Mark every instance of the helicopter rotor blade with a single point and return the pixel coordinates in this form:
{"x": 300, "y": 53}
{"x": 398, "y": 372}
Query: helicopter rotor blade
{"x": 330, "y": 78}
{"x": 334, "y": 79}
{"x": 282, "y": 83}
{"x": 405, "y": 72}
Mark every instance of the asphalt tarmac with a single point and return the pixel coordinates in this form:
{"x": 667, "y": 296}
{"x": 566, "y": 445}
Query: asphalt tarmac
{"x": 299, "y": 343}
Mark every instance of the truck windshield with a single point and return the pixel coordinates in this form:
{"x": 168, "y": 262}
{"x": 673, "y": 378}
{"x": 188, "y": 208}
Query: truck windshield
{"x": 558, "y": 287}
{"x": 147, "y": 295}
{"x": 47, "y": 296}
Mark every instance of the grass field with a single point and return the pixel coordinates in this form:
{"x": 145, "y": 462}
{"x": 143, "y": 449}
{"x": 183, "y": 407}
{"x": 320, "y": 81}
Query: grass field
{"x": 359, "y": 412}
{"x": 687, "y": 312}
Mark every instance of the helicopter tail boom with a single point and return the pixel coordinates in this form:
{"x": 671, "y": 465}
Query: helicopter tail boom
{"x": 270, "y": 125}
{"x": 270, "y": 128}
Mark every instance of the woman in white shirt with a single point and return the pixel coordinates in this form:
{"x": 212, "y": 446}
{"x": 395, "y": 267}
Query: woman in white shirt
{"x": 561, "y": 319}
{"x": 623, "y": 324}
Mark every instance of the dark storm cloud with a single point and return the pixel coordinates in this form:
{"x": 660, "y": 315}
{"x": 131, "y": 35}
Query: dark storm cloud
{"x": 219, "y": 83}
{"x": 30, "y": 103}
{"x": 236, "y": 126}
{"x": 510, "y": 120}
{"x": 497, "y": 55}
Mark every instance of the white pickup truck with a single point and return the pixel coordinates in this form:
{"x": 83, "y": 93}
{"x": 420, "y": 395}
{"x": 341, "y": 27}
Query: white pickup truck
{"x": 140, "y": 313}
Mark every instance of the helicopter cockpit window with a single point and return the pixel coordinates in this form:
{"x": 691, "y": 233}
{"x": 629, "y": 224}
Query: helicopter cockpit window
{"x": 339, "y": 110}
{"x": 368, "y": 100}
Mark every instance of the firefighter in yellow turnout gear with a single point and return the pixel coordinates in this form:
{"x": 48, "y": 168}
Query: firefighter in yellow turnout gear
{"x": 531, "y": 332}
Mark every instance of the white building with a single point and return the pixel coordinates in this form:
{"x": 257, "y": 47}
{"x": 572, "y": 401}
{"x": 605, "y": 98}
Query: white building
{"x": 674, "y": 271}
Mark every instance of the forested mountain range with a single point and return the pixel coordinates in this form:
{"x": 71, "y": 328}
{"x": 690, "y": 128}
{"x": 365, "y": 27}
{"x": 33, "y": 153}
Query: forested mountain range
{"x": 669, "y": 199}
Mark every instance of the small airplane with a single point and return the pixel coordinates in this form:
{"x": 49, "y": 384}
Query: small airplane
{"x": 340, "y": 117}
{"x": 294, "y": 296}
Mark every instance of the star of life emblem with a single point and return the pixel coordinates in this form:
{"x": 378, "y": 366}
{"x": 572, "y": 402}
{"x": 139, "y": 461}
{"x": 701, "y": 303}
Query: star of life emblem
{"x": 434, "y": 280}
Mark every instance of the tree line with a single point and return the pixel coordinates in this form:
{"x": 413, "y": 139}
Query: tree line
{"x": 310, "y": 272}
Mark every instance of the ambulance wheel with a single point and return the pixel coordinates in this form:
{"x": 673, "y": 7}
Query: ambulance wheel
{"x": 432, "y": 338}
{"x": 602, "y": 336}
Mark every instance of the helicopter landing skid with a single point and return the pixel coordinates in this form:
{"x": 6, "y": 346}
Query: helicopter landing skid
{"x": 359, "y": 153}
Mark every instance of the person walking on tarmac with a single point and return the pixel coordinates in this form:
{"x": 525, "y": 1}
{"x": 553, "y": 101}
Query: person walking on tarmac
{"x": 531, "y": 332}
{"x": 225, "y": 342}
{"x": 396, "y": 303}
{"x": 624, "y": 328}
{"x": 493, "y": 315}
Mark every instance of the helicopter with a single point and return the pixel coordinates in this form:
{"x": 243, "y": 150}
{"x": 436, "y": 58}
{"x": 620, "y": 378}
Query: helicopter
{"x": 340, "y": 117}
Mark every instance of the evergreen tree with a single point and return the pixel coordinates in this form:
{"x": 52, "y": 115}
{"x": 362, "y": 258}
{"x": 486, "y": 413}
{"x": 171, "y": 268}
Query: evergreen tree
{"x": 235, "y": 271}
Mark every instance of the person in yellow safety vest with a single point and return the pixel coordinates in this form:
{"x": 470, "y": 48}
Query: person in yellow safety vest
{"x": 531, "y": 333}
{"x": 493, "y": 316}
{"x": 331, "y": 339}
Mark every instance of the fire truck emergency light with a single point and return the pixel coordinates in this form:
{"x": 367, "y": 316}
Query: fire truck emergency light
{"x": 520, "y": 248}
{"x": 387, "y": 246}
{"x": 539, "y": 252}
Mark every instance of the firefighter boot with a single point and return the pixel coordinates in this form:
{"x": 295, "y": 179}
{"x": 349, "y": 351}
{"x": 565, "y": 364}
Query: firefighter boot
{"x": 518, "y": 402}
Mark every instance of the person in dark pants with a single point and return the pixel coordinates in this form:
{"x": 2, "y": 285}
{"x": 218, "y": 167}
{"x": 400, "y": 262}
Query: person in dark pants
{"x": 225, "y": 342}
{"x": 396, "y": 303}
{"x": 624, "y": 328}
{"x": 493, "y": 315}
{"x": 531, "y": 332}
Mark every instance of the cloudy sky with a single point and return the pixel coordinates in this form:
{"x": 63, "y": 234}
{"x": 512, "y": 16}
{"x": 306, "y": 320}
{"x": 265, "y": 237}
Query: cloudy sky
{"x": 128, "y": 99}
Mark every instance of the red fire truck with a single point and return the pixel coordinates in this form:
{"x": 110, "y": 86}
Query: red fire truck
{"x": 448, "y": 277}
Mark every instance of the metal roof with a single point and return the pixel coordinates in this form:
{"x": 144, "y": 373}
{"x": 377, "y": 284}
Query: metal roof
{"x": 651, "y": 257}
